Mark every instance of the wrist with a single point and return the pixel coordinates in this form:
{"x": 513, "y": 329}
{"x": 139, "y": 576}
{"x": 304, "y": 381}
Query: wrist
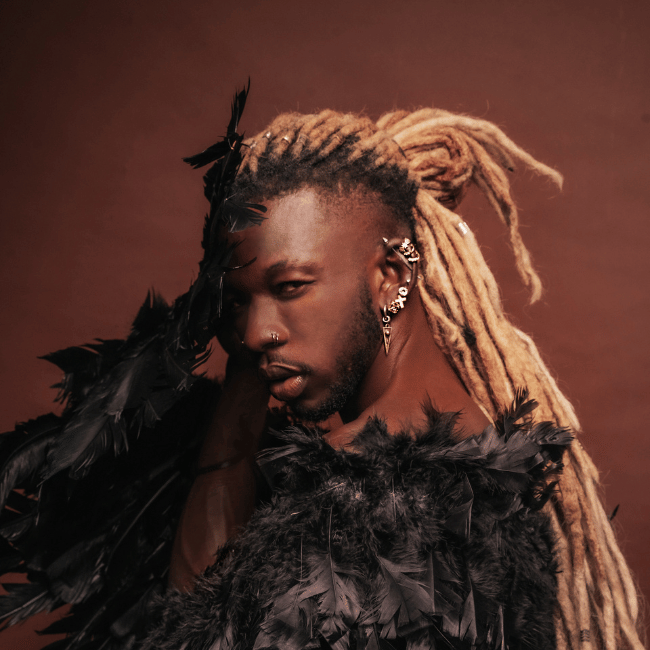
{"x": 239, "y": 418}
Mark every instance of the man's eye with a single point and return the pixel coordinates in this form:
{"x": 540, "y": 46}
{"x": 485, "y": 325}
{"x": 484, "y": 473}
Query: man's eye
{"x": 291, "y": 288}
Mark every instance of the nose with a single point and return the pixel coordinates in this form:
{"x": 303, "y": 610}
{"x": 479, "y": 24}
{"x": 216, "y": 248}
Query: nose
{"x": 264, "y": 328}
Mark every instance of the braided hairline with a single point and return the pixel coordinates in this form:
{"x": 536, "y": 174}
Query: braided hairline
{"x": 420, "y": 162}
{"x": 331, "y": 151}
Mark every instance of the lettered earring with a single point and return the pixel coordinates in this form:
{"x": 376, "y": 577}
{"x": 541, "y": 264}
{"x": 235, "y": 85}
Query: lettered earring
{"x": 386, "y": 329}
{"x": 398, "y": 303}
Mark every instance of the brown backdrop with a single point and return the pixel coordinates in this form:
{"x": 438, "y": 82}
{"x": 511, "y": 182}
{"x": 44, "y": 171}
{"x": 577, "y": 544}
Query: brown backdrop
{"x": 99, "y": 101}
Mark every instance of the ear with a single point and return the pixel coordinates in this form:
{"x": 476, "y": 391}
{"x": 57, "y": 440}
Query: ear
{"x": 396, "y": 272}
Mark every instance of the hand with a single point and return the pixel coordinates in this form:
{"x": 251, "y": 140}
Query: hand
{"x": 221, "y": 501}
{"x": 239, "y": 417}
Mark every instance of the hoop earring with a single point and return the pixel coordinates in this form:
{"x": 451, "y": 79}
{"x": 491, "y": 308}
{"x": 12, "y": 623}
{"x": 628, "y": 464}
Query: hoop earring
{"x": 386, "y": 329}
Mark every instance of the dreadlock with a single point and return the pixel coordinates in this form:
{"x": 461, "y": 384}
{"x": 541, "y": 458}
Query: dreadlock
{"x": 420, "y": 164}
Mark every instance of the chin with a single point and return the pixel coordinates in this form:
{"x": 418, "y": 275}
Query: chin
{"x": 318, "y": 410}
{"x": 311, "y": 412}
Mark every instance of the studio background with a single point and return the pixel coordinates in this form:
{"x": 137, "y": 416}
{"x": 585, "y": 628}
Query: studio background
{"x": 99, "y": 102}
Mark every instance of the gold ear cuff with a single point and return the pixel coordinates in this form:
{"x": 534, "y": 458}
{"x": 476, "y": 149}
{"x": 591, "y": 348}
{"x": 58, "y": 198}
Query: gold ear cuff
{"x": 410, "y": 256}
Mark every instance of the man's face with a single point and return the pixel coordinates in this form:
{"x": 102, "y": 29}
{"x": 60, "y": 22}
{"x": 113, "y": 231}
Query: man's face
{"x": 311, "y": 288}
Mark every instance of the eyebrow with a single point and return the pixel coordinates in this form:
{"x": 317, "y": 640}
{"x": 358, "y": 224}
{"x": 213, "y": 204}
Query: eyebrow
{"x": 286, "y": 265}
{"x": 283, "y": 265}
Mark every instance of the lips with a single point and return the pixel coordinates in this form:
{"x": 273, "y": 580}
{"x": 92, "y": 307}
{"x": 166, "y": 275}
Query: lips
{"x": 285, "y": 384}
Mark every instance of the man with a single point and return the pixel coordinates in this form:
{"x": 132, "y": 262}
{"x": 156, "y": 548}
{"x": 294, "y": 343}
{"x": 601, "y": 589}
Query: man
{"x": 339, "y": 280}
{"x": 308, "y": 298}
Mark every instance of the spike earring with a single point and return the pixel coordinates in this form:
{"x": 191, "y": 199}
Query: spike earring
{"x": 386, "y": 329}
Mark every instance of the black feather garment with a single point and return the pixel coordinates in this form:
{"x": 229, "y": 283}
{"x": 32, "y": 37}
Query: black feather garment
{"x": 90, "y": 499}
{"x": 410, "y": 541}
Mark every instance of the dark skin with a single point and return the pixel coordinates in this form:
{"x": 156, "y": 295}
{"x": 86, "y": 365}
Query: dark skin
{"x": 321, "y": 271}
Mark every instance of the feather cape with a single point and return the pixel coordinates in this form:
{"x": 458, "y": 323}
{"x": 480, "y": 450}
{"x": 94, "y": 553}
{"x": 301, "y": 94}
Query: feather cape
{"x": 410, "y": 541}
{"x": 90, "y": 499}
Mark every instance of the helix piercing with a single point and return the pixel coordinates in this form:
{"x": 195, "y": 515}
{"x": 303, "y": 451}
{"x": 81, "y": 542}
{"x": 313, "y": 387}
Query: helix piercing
{"x": 407, "y": 248}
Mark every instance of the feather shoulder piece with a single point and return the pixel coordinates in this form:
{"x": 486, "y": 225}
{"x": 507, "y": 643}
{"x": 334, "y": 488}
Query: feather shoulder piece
{"x": 411, "y": 541}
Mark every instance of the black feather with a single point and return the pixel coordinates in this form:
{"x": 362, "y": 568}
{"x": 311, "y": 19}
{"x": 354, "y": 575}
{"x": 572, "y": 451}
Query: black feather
{"x": 15, "y": 525}
{"x": 98, "y": 424}
{"x": 23, "y": 601}
{"x": 26, "y": 459}
{"x": 220, "y": 149}
{"x": 151, "y": 316}
{"x": 202, "y": 304}
{"x": 82, "y": 366}
{"x": 78, "y": 573}
{"x": 209, "y": 155}
{"x": 403, "y": 601}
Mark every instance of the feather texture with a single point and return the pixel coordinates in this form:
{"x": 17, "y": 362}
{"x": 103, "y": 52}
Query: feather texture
{"x": 35, "y": 438}
{"x": 403, "y": 602}
{"x": 100, "y": 541}
{"x": 23, "y": 601}
{"x": 412, "y": 541}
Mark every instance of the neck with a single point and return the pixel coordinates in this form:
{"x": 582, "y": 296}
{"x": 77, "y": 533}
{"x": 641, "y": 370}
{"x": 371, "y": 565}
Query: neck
{"x": 414, "y": 372}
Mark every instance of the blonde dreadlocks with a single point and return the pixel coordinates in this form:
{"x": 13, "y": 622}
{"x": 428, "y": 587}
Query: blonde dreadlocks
{"x": 421, "y": 163}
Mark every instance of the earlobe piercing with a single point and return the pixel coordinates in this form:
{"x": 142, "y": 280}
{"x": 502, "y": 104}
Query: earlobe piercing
{"x": 386, "y": 329}
{"x": 393, "y": 308}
